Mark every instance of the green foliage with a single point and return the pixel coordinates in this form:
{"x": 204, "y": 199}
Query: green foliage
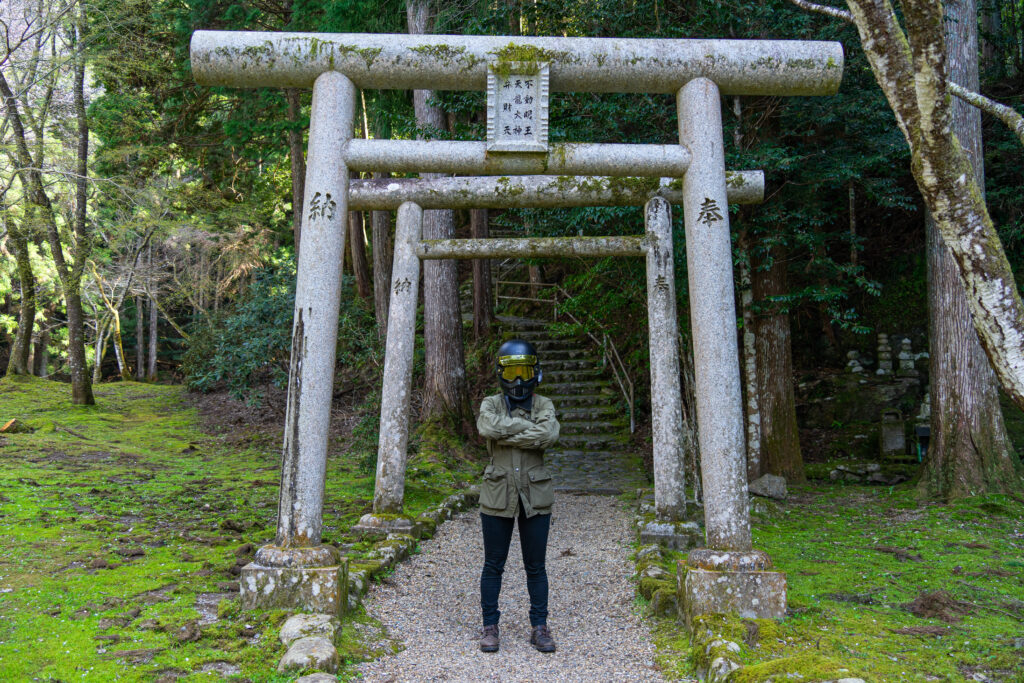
{"x": 249, "y": 347}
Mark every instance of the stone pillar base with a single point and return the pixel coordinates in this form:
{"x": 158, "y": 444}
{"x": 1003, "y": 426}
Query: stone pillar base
{"x": 278, "y": 580}
{"x": 742, "y": 583}
{"x": 379, "y": 526}
{"x": 674, "y": 535}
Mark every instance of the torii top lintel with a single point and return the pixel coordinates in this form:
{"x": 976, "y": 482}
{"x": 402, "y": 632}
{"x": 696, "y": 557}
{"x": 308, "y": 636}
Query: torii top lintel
{"x": 441, "y": 62}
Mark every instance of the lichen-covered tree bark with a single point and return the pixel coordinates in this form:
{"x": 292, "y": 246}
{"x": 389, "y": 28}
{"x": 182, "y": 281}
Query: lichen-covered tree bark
{"x": 18, "y": 363}
{"x": 298, "y": 163}
{"x": 780, "y": 436}
{"x": 70, "y": 274}
{"x": 360, "y": 266}
{"x": 445, "y": 374}
{"x": 969, "y": 451}
{"x": 383, "y": 255}
{"x": 911, "y": 70}
{"x": 483, "y": 303}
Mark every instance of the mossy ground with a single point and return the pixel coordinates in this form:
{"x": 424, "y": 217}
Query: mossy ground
{"x": 124, "y": 525}
{"x": 855, "y": 557}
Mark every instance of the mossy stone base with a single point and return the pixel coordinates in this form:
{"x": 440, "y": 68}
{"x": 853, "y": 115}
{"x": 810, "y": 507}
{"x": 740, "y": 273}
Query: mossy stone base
{"x": 749, "y": 594}
{"x": 674, "y": 535}
{"x": 320, "y": 590}
{"x": 379, "y": 526}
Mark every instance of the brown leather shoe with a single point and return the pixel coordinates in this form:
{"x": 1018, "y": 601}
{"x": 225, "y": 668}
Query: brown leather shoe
{"x": 541, "y": 639}
{"x": 489, "y": 641}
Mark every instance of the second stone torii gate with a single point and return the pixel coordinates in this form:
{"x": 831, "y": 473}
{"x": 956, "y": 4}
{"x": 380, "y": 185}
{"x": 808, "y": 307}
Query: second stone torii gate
{"x": 411, "y": 197}
{"x": 297, "y": 570}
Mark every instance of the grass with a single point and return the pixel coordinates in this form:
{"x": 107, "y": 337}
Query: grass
{"x": 124, "y": 525}
{"x": 856, "y": 560}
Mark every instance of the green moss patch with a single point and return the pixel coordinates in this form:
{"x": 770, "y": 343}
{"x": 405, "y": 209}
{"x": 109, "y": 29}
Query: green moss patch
{"x": 125, "y": 526}
{"x": 884, "y": 588}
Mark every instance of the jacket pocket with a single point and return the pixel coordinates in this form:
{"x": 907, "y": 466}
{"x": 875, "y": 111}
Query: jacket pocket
{"x": 542, "y": 489}
{"x": 494, "y": 490}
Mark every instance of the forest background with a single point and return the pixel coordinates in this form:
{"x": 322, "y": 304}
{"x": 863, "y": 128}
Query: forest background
{"x": 162, "y": 216}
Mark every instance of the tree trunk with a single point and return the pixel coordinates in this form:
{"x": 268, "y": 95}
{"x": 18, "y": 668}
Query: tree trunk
{"x": 991, "y": 38}
{"x": 71, "y": 277}
{"x": 140, "y": 334}
{"x": 151, "y": 375}
{"x": 750, "y": 386}
{"x": 383, "y": 253}
{"x": 910, "y": 69}
{"x": 535, "y": 277}
{"x": 780, "y": 437}
{"x": 298, "y": 160}
{"x": 122, "y": 360}
{"x": 18, "y": 364}
{"x": 41, "y": 356}
{"x": 81, "y": 386}
{"x": 445, "y": 376}
{"x": 483, "y": 304}
{"x": 969, "y": 451}
{"x": 99, "y": 349}
{"x": 360, "y": 267}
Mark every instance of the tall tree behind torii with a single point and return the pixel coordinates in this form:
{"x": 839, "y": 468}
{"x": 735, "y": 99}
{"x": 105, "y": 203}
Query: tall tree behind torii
{"x": 969, "y": 451}
{"x": 445, "y": 381}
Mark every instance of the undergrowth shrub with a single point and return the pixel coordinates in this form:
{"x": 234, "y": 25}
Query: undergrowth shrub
{"x": 247, "y": 349}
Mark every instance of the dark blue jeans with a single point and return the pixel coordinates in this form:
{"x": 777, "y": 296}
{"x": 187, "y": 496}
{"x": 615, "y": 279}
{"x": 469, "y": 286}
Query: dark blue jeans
{"x": 533, "y": 536}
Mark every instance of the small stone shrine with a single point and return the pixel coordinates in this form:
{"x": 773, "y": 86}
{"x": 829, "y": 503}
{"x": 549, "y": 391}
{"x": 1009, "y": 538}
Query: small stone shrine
{"x": 884, "y": 356}
{"x": 906, "y": 358}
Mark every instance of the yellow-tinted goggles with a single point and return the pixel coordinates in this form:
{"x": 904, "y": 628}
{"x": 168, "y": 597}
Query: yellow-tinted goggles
{"x": 510, "y": 372}
{"x": 519, "y": 366}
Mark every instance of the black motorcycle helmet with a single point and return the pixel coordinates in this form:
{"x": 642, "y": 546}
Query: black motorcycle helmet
{"x": 518, "y": 371}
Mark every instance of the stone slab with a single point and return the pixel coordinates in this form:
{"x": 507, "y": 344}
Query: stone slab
{"x": 374, "y": 526}
{"x": 303, "y": 625}
{"x": 749, "y": 594}
{"x": 314, "y": 652}
{"x": 321, "y": 590}
{"x": 674, "y": 535}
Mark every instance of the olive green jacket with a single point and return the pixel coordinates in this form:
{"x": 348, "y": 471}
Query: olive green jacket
{"x": 516, "y": 473}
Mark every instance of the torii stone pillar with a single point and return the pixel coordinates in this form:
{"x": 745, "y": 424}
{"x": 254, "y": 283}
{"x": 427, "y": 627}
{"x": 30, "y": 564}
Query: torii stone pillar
{"x": 663, "y": 335}
{"x": 727, "y": 576}
{"x": 297, "y": 568}
{"x": 389, "y": 490}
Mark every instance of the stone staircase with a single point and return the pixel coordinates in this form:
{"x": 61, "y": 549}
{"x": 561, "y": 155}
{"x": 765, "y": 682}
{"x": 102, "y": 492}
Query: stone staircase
{"x": 591, "y": 455}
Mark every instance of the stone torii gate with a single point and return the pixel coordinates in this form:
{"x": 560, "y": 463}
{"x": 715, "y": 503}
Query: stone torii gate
{"x": 518, "y": 73}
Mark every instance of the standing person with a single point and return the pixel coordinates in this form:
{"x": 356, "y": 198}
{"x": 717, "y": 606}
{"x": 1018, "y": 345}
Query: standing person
{"x": 518, "y": 425}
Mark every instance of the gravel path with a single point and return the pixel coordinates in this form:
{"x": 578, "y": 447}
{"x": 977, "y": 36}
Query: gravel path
{"x": 432, "y": 604}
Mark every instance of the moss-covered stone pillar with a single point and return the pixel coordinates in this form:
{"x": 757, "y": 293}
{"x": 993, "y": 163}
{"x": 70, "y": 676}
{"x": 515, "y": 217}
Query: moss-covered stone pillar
{"x": 389, "y": 489}
{"x": 728, "y": 576}
{"x": 666, "y": 406}
{"x": 297, "y": 570}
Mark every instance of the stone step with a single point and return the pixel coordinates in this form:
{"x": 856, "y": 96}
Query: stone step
{"x": 580, "y": 400}
{"x": 604, "y": 427}
{"x": 593, "y": 386}
{"x": 523, "y": 325}
{"x": 560, "y": 453}
{"x": 584, "y": 414}
{"x": 546, "y": 345}
{"x": 589, "y": 442}
{"x": 560, "y": 365}
{"x": 556, "y": 376}
{"x": 566, "y": 354}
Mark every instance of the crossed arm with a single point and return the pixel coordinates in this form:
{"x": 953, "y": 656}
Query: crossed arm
{"x": 515, "y": 431}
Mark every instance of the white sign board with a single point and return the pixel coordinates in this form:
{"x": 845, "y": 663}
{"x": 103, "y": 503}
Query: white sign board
{"x": 517, "y": 107}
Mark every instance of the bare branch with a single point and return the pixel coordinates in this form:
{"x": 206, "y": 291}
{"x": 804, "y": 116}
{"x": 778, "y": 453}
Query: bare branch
{"x": 827, "y": 10}
{"x": 1008, "y": 115}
